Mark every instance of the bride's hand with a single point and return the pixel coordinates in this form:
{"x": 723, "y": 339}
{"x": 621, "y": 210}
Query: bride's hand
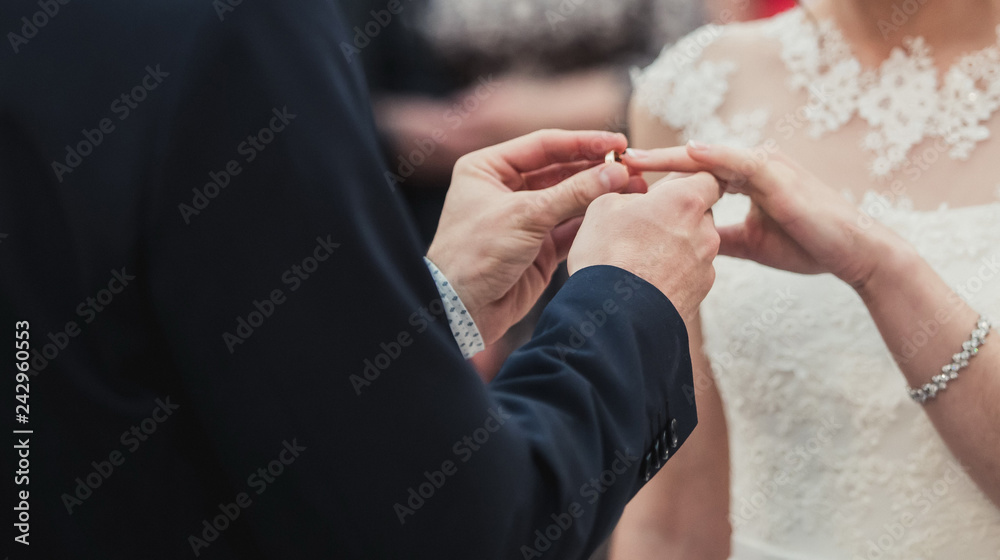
{"x": 796, "y": 222}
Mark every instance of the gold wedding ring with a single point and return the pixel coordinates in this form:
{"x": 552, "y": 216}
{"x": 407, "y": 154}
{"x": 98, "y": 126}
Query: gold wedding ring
{"x": 613, "y": 157}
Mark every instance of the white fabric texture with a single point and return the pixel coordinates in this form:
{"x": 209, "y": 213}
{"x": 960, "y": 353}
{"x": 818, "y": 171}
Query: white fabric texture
{"x": 830, "y": 457}
{"x": 463, "y": 328}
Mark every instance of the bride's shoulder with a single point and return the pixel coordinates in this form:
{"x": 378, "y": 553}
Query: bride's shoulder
{"x": 752, "y": 46}
{"x": 691, "y": 79}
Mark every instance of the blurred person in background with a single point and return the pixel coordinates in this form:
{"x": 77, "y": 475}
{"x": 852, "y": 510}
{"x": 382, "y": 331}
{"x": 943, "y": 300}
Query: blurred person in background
{"x": 848, "y": 414}
{"x": 449, "y": 77}
{"x": 727, "y": 11}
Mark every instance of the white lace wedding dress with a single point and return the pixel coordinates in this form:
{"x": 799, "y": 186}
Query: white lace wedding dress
{"x": 830, "y": 457}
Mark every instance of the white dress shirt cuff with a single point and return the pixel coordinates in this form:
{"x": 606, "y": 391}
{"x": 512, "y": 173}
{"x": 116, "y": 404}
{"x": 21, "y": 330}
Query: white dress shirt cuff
{"x": 463, "y": 328}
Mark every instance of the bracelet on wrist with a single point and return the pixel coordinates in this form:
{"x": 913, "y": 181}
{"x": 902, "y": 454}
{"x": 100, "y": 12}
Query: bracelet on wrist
{"x": 960, "y": 361}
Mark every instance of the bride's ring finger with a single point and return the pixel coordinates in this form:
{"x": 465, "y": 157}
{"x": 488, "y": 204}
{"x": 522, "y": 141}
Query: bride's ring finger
{"x": 670, "y": 177}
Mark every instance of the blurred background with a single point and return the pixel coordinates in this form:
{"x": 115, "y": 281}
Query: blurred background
{"x": 449, "y": 77}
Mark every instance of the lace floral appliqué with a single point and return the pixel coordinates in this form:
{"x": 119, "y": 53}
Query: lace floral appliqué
{"x": 903, "y": 100}
{"x": 686, "y": 93}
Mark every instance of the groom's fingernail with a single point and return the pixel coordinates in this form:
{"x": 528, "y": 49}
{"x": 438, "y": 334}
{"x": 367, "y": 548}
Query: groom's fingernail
{"x": 697, "y": 146}
{"x": 614, "y": 176}
{"x": 637, "y": 154}
{"x": 606, "y": 176}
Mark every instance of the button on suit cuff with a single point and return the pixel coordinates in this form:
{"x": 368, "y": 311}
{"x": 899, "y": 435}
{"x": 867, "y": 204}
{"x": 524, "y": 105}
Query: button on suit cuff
{"x": 463, "y": 328}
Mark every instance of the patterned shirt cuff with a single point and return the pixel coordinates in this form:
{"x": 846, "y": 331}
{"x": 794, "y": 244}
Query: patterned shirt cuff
{"x": 463, "y": 328}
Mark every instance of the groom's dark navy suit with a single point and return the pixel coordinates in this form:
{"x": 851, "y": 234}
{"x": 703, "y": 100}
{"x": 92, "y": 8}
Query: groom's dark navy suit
{"x": 237, "y": 351}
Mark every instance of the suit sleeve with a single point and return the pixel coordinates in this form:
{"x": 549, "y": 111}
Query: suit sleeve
{"x": 306, "y": 329}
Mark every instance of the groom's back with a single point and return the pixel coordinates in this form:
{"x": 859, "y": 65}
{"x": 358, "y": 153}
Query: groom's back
{"x": 115, "y": 465}
{"x": 121, "y": 126}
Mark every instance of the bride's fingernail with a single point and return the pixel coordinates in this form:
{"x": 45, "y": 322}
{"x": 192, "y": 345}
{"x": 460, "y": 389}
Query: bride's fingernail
{"x": 637, "y": 154}
{"x": 697, "y": 146}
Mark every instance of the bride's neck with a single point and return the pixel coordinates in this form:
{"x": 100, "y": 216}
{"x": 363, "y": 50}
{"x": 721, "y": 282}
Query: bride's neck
{"x": 950, "y": 27}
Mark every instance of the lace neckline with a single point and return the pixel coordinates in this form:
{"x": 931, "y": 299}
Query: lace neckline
{"x": 904, "y": 100}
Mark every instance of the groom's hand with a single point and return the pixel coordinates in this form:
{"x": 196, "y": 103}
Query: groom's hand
{"x": 512, "y": 213}
{"x": 795, "y": 223}
{"x": 666, "y": 237}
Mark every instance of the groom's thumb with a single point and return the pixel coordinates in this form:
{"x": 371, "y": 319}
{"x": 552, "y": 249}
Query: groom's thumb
{"x": 571, "y": 198}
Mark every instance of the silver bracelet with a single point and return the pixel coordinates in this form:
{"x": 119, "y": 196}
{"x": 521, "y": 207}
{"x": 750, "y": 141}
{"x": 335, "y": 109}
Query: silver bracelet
{"x": 960, "y": 361}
